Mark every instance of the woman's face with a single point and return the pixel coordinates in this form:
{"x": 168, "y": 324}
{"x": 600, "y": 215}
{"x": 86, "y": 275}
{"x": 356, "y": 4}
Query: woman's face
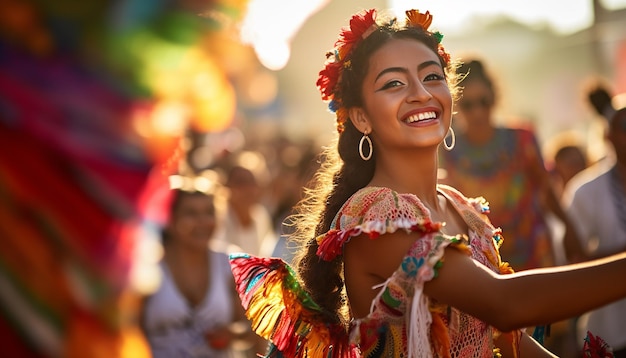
{"x": 475, "y": 106}
{"x": 193, "y": 222}
{"x": 407, "y": 102}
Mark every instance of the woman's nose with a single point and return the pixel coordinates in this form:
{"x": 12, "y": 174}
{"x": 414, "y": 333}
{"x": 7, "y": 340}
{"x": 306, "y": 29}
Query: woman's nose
{"x": 418, "y": 93}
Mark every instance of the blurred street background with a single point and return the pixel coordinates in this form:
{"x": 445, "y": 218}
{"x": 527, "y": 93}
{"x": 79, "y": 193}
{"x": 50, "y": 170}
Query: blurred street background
{"x": 101, "y": 100}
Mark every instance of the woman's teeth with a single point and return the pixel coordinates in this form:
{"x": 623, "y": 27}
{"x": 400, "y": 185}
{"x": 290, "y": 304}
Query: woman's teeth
{"x": 421, "y": 117}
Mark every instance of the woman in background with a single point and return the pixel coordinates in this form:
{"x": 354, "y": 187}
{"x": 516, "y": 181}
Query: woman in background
{"x": 195, "y": 312}
{"x": 505, "y": 166}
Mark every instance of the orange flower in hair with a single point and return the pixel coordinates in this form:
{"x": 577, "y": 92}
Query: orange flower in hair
{"x": 417, "y": 19}
{"x": 414, "y": 18}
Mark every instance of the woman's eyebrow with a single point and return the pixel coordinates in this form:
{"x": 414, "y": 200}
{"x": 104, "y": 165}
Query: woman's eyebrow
{"x": 391, "y": 69}
{"x": 420, "y": 67}
{"x": 428, "y": 63}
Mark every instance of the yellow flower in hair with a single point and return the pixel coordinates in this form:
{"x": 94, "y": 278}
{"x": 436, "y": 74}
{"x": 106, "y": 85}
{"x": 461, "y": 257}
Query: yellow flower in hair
{"x": 416, "y": 19}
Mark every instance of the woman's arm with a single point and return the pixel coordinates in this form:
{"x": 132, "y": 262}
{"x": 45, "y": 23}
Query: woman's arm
{"x": 527, "y": 298}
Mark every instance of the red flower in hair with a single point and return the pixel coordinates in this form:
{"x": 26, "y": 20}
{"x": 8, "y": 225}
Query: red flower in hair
{"x": 360, "y": 26}
{"x": 328, "y": 78}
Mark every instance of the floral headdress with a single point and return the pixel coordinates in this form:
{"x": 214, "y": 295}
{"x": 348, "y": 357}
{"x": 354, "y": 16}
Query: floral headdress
{"x": 361, "y": 26}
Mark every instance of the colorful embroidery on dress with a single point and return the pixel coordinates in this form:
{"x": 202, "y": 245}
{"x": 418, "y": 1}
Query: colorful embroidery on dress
{"x": 403, "y": 321}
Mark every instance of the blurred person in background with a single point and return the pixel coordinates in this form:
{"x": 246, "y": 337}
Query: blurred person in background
{"x": 596, "y": 201}
{"x": 195, "y": 311}
{"x": 504, "y": 165}
{"x": 567, "y": 159}
{"x": 566, "y": 156}
{"x": 297, "y": 165}
{"x": 247, "y": 223}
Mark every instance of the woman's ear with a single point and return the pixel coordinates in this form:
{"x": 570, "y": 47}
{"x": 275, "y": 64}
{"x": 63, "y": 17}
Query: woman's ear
{"x": 359, "y": 119}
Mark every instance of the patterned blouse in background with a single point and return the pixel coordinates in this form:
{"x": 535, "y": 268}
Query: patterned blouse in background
{"x": 502, "y": 172}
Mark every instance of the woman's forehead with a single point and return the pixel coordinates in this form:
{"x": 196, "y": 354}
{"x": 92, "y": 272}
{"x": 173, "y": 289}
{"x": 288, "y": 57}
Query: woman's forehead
{"x": 402, "y": 53}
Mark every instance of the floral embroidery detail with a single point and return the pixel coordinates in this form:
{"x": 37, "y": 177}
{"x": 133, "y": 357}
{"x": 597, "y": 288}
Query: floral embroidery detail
{"x": 504, "y": 268}
{"x": 393, "y": 297}
{"x": 411, "y": 264}
{"x": 497, "y": 237}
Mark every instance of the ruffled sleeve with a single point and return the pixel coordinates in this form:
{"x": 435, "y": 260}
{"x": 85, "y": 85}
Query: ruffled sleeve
{"x": 375, "y": 211}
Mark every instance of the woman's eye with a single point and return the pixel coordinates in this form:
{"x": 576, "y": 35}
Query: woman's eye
{"x": 434, "y": 77}
{"x": 391, "y": 84}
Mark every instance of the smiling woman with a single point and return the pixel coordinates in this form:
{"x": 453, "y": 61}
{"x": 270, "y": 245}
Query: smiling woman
{"x": 390, "y": 90}
{"x": 194, "y": 312}
{"x": 391, "y": 263}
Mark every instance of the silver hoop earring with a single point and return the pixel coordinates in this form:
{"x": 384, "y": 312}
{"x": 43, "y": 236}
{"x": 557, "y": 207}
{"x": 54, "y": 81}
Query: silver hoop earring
{"x": 367, "y": 139}
{"x": 445, "y": 145}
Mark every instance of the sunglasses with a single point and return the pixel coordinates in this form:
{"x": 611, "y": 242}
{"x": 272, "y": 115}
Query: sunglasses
{"x": 468, "y": 105}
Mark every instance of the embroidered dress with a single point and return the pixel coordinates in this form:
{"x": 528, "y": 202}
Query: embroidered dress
{"x": 403, "y": 322}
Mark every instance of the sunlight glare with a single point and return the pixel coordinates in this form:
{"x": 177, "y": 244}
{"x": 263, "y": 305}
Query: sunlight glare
{"x": 269, "y": 26}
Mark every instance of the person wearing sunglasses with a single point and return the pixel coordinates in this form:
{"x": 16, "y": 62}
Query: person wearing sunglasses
{"x": 596, "y": 201}
{"x": 504, "y": 165}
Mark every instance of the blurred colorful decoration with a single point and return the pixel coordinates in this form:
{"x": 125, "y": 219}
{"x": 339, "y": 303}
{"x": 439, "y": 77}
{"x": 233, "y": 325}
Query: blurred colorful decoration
{"x": 96, "y": 98}
{"x": 596, "y": 347}
{"x": 189, "y": 89}
{"x": 69, "y": 176}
